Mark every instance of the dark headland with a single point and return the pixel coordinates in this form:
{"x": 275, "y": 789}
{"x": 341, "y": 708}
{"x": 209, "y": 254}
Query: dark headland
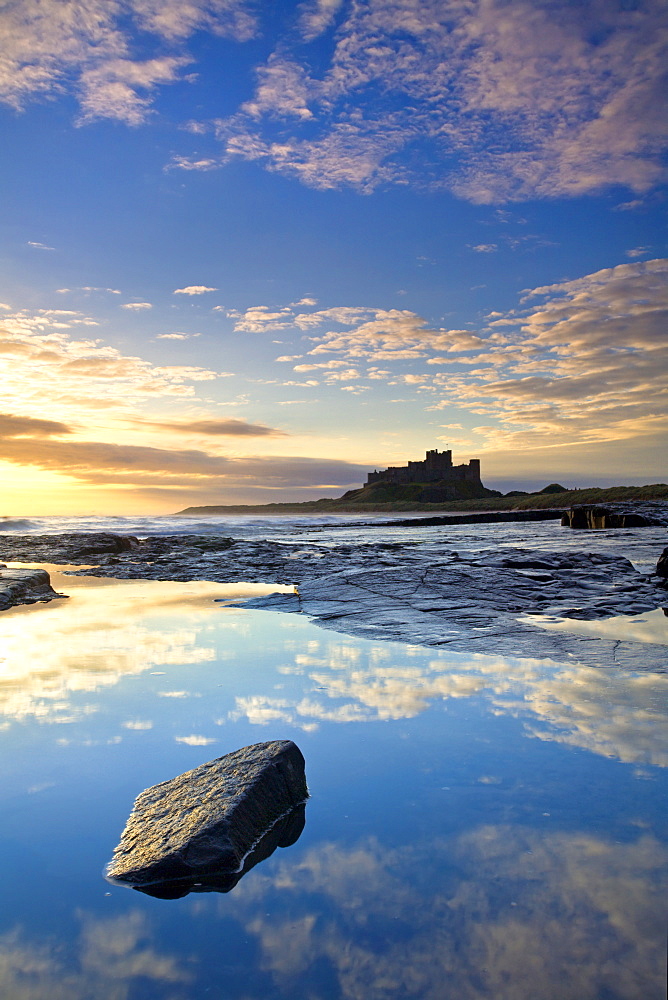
{"x": 435, "y": 484}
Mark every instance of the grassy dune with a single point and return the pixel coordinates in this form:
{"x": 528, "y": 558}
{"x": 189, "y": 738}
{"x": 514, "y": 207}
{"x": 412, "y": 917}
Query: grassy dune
{"x": 542, "y": 501}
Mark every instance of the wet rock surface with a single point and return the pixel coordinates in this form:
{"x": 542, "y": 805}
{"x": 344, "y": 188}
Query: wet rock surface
{"x": 662, "y": 567}
{"x": 477, "y": 600}
{"x": 484, "y": 604}
{"x": 205, "y": 824}
{"x": 284, "y": 833}
{"x": 600, "y": 516}
{"x": 24, "y": 586}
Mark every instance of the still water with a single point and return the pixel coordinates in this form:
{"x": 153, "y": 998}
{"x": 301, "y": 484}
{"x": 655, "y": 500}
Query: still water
{"x": 478, "y": 826}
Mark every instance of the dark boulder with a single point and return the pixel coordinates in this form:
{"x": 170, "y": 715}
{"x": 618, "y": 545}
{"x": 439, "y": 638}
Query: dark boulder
{"x": 208, "y": 820}
{"x": 284, "y": 833}
{"x": 597, "y": 517}
{"x": 662, "y": 567}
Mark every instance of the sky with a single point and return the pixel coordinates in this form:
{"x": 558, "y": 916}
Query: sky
{"x": 251, "y": 251}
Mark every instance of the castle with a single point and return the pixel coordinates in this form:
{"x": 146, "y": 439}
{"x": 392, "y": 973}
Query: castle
{"x": 436, "y": 467}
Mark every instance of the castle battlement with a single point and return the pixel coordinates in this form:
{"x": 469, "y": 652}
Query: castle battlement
{"x": 437, "y": 466}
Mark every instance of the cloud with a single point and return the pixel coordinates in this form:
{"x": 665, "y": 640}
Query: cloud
{"x": 110, "y": 90}
{"x": 195, "y": 741}
{"x": 194, "y": 290}
{"x": 176, "y": 336}
{"x": 576, "y": 362}
{"x": 110, "y": 957}
{"x": 47, "y": 667}
{"x": 137, "y": 305}
{"x": 47, "y": 361}
{"x": 494, "y": 101}
{"x": 230, "y": 428}
{"x": 108, "y": 463}
{"x": 39, "y": 246}
{"x": 12, "y": 427}
{"x": 88, "y": 288}
{"x": 570, "y": 704}
{"x": 317, "y": 16}
{"x": 85, "y": 47}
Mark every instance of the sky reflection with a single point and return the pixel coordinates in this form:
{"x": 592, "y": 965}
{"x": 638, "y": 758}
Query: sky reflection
{"x": 110, "y": 630}
{"x": 475, "y": 821}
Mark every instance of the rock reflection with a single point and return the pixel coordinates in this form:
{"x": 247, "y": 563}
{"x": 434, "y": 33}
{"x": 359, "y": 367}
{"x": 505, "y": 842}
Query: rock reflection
{"x": 284, "y": 834}
{"x": 499, "y": 912}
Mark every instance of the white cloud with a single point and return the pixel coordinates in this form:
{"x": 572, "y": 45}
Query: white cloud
{"x": 194, "y": 290}
{"x": 195, "y": 741}
{"x": 88, "y": 288}
{"x": 579, "y": 361}
{"x": 189, "y": 163}
{"x": 85, "y": 46}
{"x": 110, "y": 89}
{"x": 503, "y": 101}
{"x": 137, "y": 305}
{"x": 177, "y": 336}
{"x": 39, "y": 246}
{"x": 317, "y": 17}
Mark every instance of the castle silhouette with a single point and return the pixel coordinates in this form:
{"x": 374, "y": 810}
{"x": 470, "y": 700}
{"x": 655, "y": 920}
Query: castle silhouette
{"x": 437, "y": 466}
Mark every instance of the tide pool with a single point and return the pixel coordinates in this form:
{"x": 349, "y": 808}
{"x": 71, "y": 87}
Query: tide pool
{"x": 478, "y": 826}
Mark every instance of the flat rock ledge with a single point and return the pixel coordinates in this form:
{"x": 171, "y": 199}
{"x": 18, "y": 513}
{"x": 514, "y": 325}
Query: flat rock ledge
{"x": 493, "y": 604}
{"x": 24, "y": 586}
{"x": 473, "y": 600}
{"x": 209, "y": 820}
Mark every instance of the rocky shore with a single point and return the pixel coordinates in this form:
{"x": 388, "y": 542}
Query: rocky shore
{"x": 24, "y": 586}
{"x": 494, "y": 600}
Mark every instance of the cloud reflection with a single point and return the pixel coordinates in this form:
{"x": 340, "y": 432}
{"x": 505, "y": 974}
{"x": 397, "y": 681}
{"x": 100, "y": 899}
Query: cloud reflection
{"x": 616, "y": 714}
{"x": 113, "y": 959}
{"x": 500, "y": 911}
{"x": 107, "y": 630}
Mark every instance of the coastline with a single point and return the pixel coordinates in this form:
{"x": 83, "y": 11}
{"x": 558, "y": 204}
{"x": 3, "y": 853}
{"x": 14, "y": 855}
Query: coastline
{"x": 472, "y": 595}
{"x": 529, "y": 501}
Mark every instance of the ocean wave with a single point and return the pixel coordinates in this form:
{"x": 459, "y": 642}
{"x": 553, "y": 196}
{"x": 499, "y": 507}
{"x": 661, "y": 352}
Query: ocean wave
{"x": 15, "y": 524}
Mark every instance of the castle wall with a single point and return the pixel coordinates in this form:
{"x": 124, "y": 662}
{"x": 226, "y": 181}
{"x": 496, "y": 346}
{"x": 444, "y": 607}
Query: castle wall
{"x": 436, "y": 467}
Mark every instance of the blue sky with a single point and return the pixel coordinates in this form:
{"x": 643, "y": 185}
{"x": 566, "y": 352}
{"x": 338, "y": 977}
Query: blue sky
{"x": 251, "y": 251}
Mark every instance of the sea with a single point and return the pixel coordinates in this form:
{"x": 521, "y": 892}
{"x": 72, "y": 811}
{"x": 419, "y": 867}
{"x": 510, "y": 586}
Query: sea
{"x": 479, "y": 826}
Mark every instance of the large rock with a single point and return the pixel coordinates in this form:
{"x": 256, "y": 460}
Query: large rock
{"x": 597, "y": 517}
{"x": 284, "y": 833}
{"x": 210, "y": 819}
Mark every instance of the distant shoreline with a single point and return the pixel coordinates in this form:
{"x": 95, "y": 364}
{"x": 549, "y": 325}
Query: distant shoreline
{"x": 530, "y": 501}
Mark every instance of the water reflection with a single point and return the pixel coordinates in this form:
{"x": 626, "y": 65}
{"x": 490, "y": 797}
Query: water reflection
{"x": 107, "y": 630}
{"x": 111, "y": 957}
{"x": 283, "y": 834}
{"x": 616, "y": 714}
{"x": 501, "y": 911}
{"x": 446, "y": 855}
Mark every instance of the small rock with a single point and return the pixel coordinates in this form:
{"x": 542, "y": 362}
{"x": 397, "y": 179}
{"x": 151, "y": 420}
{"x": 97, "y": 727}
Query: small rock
{"x": 662, "y": 566}
{"x": 210, "y": 819}
{"x": 21, "y": 585}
